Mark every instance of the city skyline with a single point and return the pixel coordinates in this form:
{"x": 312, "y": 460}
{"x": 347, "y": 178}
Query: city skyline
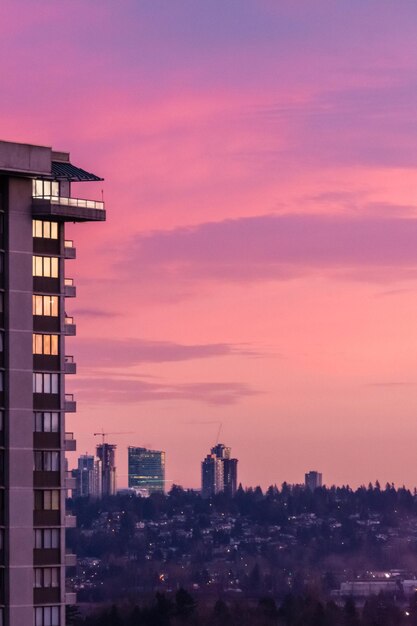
{"x": 258, "y": 266}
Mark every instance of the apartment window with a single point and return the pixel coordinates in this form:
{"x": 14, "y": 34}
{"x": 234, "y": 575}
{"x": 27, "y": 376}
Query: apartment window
{"x": 45, "y": 230}
{"x": 46, "y": 577}
{"x": 46, "y": 422}
{"x": 47, "y": 616}
{"x": 47, "y": 500}
{"x": 45, "y": 188}
{"x": 46, "y": 538}
{"x": 46, "y": 461}
{"x": 45, "y": 383}
{"x": 45, "y": 305}
{"x": 45, "y": 344}
{"x": 46, "y": 266}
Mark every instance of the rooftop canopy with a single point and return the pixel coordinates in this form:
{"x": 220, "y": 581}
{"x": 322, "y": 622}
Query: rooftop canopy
{"x": 67, "y": 171}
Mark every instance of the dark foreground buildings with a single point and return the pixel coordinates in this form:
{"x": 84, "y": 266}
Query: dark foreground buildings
{"x": 219, "y": 472}
{"x": 35, "y": 204}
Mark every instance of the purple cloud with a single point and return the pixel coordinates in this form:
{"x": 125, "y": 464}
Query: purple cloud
{"x": 120, "y": 390}
{"x": 128, "y": 352}
{"x": 276, "y": 247}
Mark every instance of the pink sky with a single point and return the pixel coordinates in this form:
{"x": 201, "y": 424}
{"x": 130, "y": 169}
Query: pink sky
{"x": 259, "y": 263}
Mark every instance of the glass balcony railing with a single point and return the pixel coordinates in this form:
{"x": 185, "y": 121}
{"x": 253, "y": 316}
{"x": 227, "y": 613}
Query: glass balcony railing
{"x": 76, "y": 202}
{"x": 69, "y": 282}
{"x": 69, "y": 320}
{"x": 68, "y": 243}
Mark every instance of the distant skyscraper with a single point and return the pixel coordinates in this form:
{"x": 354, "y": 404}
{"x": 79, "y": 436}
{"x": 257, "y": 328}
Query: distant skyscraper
{"x": 230, "y": 476}
{"x": 313, "y": 480}
{"x": 219, "y": 472}
{"x": 146, "y": 469}
{"x": 106, "y": 452}
{"x": 88, "y": 477}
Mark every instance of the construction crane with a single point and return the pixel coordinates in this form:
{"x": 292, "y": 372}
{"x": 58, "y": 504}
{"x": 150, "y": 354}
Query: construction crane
{"x": 103, "y": 435}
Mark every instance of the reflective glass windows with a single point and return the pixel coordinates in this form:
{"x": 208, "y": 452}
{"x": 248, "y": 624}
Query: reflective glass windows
{"x": 46, "y": 538}
{"x": 45, "y": 188}
{"x": 46, "y": 461}
{"x": 45, "y": 383}
{"x": 46, "y": 422}
{"x": 47, "y": 616}
{"x": 46, "y": 577}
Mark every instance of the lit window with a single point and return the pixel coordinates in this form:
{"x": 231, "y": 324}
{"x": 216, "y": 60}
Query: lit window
{"x": 45, "y": 305}
{"x": 44, "y": 230}
{"x": 45, "y": 344}
{"x": 46, "y": 266}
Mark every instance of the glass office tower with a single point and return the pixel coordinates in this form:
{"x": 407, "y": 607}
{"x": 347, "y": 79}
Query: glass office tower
{"x": 146, "y": 469}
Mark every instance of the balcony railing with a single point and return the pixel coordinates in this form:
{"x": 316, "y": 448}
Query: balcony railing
{"x": 70, "y": 442}
{"x": 69, "y": 282}
{"x": 75, "y": 202}
{"x": 69, "y": 249}
{"x": 69, "y": 320}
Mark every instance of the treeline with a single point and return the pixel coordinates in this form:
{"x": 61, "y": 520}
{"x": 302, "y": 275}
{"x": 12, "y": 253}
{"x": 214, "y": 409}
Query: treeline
{"x": 274, "y": 506}
{"x": 293, "y": 611}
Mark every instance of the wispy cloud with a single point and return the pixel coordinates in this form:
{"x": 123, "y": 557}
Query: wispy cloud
{"x": 121, "y": 391}
{"x": 276, "y": 247}
{"x": 105, "y": 352}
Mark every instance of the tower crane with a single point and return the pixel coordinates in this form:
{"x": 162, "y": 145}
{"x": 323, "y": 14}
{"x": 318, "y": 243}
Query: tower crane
{"x": 103, "y": 435}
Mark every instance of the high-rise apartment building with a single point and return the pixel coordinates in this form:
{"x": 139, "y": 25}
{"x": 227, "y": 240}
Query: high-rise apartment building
{"x": 146, "y": 469}
{"x": 35, "y": 204}
{"x": 219, "y": 472}
{"x": 106, "y": 452}
{"x": 88, "y": 476}
{"x": 313, "y": 480}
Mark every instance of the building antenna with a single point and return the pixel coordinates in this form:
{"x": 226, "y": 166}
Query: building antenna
{"x": 219, "y": 433}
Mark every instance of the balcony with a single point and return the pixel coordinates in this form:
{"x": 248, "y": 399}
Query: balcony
{"x": 70, "y": 559}
{"x": 70, "y": 442}
{"x": 70, "y": 481}
{"x": 70, "y": 252}
{"x": 68, "y": 209}
{"x": 70, "y": 290}
{"x": 70, "y": 328}
{"x": 70, "y": 597}
{"x": 70, "y": 367}
{"x": 70, "y": 406}
{"x": 70, "y": 521}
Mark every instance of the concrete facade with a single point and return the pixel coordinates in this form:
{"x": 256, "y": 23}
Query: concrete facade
{"x": 33, "y": 481}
